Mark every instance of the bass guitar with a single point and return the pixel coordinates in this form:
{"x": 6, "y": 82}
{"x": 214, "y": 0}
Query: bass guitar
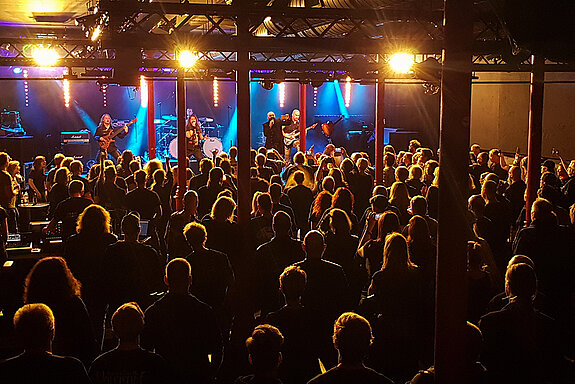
{"x": 290, "y": 138}
{"x": 105, "y": 141}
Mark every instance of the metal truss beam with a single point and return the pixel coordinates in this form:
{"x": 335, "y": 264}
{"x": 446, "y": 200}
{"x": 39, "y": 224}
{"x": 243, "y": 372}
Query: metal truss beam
{"x": 303, "y": 40}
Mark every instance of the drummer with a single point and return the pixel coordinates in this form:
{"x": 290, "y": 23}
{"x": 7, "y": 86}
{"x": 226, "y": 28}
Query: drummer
{"x": 194, "y": 135}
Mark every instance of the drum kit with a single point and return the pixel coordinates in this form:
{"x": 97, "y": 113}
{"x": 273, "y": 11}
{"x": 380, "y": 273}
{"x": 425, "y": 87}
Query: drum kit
{"x": 167, "y": 140}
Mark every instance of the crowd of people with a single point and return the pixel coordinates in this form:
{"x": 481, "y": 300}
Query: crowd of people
{"x": 333, "y": 281}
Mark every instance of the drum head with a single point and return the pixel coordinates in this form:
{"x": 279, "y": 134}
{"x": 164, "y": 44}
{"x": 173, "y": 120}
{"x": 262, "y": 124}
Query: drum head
{"x": 211, "y": 145}
{"x": 174, "y": 147}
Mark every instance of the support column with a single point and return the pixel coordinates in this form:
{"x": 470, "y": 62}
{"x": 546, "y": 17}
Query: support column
{"x": 151, "y": 117}
{"x": 302, "y": 117}
{"x": 451, "y": 287}
{"x": 244, "y": 124}
{"x": 181, "y": 129}
{"x": 379, "y": 125}
{"x": 536, "y": 89}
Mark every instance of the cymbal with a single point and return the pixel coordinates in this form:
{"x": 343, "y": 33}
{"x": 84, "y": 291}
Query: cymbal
{"x": 205, "y": 119}
{"x": 169, "y": 117}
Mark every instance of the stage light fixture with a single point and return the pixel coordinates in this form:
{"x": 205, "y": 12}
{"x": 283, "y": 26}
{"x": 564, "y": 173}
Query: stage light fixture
{"x": 315, "y": 96}
{"x": 26, "y": 94}
{"x": 282, "y": 94}
{"x": 268, "y": 85}
{"x": 17, "y": 70}
{"x": 187, "y": 58}
{"x": 317, "y": 83}
{"x": 216, "y": 89}
{"x": 66, "y": 86}
{"x": 347, "y": 91}
{"x": 143, "y": 92}
{"x": 45, "y": 56}
{"x": 96, "y": 32}
{"x": 401, "y": 62}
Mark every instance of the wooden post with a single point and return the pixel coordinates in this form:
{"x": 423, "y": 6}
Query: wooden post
{"x": 536, "y": 89}
{"x": 244, "y": 124}
{"x": 302, "y": 117}
{"x": 451, "y": 287}
{"x": 379, "y": 125}
{"x": 151, "y": 125}
{"x": 183, "y": 160}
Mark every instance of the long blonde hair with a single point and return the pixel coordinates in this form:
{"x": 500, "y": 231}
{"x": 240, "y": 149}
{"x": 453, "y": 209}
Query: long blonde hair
{"x": 395, "y": 254}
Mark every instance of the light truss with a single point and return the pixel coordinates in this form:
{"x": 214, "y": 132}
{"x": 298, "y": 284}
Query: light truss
{"x": 298, "y": 40}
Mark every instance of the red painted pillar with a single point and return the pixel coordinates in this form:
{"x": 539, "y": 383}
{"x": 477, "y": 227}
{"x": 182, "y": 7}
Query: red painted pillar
{"x": 451, "y": 286}
{"x": 302, "y": 117}
{"x": 535, "y": 132}
{"x": 244, "y": 125}
{"x": 181, "y": 129}
{"x": 379, "y": 126}
{"x": 151, "y": 125}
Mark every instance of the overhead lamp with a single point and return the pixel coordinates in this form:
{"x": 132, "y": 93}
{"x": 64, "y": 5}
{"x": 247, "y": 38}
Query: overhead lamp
{"x": 317, "y": 83}
{"x": 268, "y": 85}
{"x": 187, "y": 58}
{"x": 45, "y": 56}
{"x": 96, "y": 32}
{"x": 401, "y": 62}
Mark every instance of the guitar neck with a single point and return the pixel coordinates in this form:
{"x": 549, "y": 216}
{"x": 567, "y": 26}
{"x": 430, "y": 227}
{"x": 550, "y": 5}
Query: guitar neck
{"x": 117, "y": 132}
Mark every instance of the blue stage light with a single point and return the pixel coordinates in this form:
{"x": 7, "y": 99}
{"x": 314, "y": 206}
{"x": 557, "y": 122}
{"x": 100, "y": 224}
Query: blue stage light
{"x": 17, "y": 70}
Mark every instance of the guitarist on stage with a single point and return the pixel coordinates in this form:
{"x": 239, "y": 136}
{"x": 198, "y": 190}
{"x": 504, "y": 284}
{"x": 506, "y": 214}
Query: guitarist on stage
{"x": 291, "y": 126}
{"x": 104, "y": 130}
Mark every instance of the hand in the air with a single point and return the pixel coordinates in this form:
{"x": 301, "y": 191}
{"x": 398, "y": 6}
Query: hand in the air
{"x": 126, "y": 129}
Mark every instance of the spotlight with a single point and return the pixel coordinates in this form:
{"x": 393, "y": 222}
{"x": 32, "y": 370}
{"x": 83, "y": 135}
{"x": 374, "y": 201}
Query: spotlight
{"x": 45, "y": 57}
{"x": 187, "y": 58}
{"x": 17, "y": 70}
{"x": 267, "y": 84}
{"x": 347, "y": 91}
{"x": 401, "y": 62}
{"x": 96, "y": 33}
{"x": 216, "y": 90}
{"x": 282, "y": 94}
{"x": 316, "y": 83}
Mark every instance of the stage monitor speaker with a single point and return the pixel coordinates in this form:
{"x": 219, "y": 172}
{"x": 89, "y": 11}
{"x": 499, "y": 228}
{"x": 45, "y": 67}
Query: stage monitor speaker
{"x": 82, "y": 152}
{"x": 400, "y": 139}
{"x": 19, "y": 148}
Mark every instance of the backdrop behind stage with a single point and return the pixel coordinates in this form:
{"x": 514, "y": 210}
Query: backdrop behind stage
{"x": 44, "y": 114}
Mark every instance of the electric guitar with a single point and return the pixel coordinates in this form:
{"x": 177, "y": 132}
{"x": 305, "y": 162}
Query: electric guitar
{"x": 105, "y": 141}
{"x": 327, "y": 128}
{"x": 290, "y": 138}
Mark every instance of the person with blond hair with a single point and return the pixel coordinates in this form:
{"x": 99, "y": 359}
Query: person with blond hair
{"x": 84, "y": 253}
{"x": 212, "y": 274}
{"x": 403, "y": 333}
{"x": 128, "y": 362}
{"x": 352, "y": 338}
{"x": 34, "y": 326}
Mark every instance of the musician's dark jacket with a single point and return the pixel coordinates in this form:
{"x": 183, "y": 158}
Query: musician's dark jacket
{"x": 273, "y": 134}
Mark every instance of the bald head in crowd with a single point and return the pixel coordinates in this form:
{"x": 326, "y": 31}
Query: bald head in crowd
{"x": 314, "y": 244}
{"x": 178, "y": 276}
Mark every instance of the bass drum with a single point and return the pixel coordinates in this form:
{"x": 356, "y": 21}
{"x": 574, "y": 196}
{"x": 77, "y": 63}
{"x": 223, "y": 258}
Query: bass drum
{"x": 173, "y": 148}
{"x": 211, "y": 145}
